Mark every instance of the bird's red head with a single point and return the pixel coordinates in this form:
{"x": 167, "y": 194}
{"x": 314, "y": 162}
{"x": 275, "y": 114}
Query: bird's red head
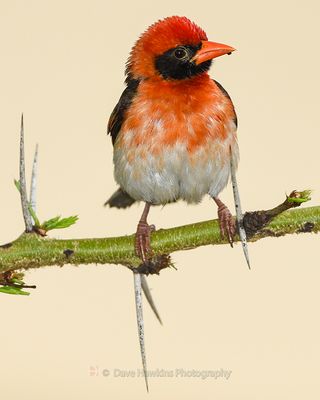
{"x": 173, "y": 48}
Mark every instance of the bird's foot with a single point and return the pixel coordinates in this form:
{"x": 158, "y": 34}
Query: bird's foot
{"x": 142, "y": 240}
{"x": 227, "y": 223}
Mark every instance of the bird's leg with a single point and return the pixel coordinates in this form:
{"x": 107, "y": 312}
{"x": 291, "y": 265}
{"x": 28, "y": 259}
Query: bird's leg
{"x": 226, "y": 222}
{"x": 143, "y": 234}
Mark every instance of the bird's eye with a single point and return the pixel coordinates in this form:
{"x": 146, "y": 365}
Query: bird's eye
{"x": 181, "y": 53}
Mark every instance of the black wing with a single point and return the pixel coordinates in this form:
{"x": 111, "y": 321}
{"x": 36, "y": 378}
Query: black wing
{"x": 118, "y": 114}
{"x": 121, "y": 199}
{"x": 223, "y": 90}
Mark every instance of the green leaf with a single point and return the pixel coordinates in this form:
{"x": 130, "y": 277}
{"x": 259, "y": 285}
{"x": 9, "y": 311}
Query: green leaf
{"x": 17, "y": 281}
{"x": 50, "y": 223}
{"x": 300, "y": 197}
{"x": 13, "y": 290}
{"x": 18, "y": 186}
{"x": 297, "y": 200}
{"x": 53, "y": 223}
{"x": 34, "y": 216}
{"x": 59, "y": 223}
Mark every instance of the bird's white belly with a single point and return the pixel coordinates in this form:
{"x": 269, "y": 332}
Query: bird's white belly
{"x": 174, "y": 173}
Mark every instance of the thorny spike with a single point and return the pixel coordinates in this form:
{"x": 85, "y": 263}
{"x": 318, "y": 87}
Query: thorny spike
{"x": 139, "y": 313}
{"x": 242, "y": 232}
{"x": 34, "y": 176}
{"x": 149, "y": 298}
{"x": 22, "y": 178}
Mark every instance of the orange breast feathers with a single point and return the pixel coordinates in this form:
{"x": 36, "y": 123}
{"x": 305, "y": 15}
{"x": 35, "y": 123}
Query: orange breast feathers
{"x": 193, "y": 112}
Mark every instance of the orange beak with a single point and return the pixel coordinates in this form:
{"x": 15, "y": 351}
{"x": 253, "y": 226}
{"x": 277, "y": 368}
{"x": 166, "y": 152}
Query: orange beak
{"x": 210, "y": 50}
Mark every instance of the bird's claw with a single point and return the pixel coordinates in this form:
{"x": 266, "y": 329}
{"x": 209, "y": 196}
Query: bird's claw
{"x": 226, "y": 223}
{"x": 142, "y": 240}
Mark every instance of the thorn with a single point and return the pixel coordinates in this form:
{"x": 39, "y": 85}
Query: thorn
{"x": 149, "y": 298}
{"x": 22, "y": 178}
{"x": 239, "y": 216}
{"x": 34, "y": 176}
{"x": 139, "y": 313}
{"x": 243, "y": 237}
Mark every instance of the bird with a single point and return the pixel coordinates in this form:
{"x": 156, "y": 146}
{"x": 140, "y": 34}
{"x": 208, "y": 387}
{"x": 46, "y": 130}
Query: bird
{"x": 174, "y": 128}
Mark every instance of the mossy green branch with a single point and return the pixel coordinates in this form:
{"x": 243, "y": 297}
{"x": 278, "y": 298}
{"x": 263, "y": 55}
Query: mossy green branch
{"x": 31, "y": 250}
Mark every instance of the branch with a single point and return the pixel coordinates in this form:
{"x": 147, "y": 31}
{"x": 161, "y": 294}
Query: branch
{"x": 34, "y": 250}
{"x": 31, "y": 250}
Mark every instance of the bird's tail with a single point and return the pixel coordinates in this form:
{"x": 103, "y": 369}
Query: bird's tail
{"x": 120, "y": 199}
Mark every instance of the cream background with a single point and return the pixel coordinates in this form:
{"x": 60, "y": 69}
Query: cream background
{"x": 62, "y": 64}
